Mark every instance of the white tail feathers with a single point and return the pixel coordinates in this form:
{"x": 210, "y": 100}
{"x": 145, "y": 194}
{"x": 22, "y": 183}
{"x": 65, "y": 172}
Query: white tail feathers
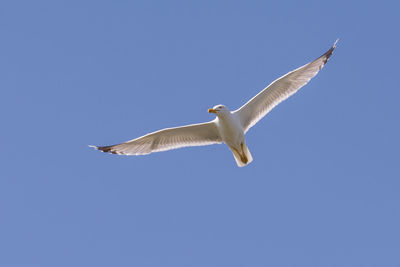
{"x": 242, "y": 155}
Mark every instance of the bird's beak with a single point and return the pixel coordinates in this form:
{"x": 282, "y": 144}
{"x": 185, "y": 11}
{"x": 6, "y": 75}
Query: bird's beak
{"x": 211, "y": 110}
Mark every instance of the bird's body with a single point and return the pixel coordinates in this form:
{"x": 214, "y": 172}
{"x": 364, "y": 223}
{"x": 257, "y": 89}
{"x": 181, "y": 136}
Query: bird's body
{"x": 229, "y": 127}
{"x": 232, "y": 134}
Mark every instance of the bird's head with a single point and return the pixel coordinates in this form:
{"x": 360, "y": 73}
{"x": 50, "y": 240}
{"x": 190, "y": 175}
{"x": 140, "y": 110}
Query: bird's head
{"x": 219, "y": 110}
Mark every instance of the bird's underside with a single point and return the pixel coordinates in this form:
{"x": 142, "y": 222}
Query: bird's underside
{"x": 239, "y": 121}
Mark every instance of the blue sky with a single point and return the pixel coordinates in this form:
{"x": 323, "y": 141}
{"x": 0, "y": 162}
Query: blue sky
{"x": 323, "y": 189}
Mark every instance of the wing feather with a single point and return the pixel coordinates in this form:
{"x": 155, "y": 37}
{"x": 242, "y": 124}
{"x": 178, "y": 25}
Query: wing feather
{"x": 166, "y": 139}
{"x": 280, "y": 89}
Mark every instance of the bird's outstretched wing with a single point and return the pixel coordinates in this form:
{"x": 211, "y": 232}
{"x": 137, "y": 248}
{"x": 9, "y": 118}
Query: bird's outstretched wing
{"x": 280, "y": 89}
{"x": 166, "y": 139}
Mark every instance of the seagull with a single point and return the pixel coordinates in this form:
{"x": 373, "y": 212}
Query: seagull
{"x": 228, "y": 127}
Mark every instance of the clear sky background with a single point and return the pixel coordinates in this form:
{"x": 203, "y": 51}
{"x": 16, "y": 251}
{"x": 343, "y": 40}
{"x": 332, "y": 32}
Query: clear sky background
{"x": 323, "y": 189}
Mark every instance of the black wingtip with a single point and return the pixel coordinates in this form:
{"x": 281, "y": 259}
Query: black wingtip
{"x": 328, "y": 53}
{"x": 105, "y": 149}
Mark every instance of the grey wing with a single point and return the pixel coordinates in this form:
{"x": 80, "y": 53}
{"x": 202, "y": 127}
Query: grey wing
{"x": 166, "y": 139}
{"x": 280, "y": 89}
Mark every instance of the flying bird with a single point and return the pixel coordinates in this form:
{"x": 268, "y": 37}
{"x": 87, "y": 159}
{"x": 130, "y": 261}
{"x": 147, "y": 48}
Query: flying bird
{"x": 229, "y": 127}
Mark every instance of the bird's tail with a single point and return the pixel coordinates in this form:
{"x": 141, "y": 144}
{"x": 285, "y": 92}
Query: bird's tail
{"x": 242, "y": 155}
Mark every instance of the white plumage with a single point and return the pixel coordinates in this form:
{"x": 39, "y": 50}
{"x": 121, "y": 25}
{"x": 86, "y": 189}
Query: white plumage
{"x": 228, "y": 127}
{"x": 170, "y": 138}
